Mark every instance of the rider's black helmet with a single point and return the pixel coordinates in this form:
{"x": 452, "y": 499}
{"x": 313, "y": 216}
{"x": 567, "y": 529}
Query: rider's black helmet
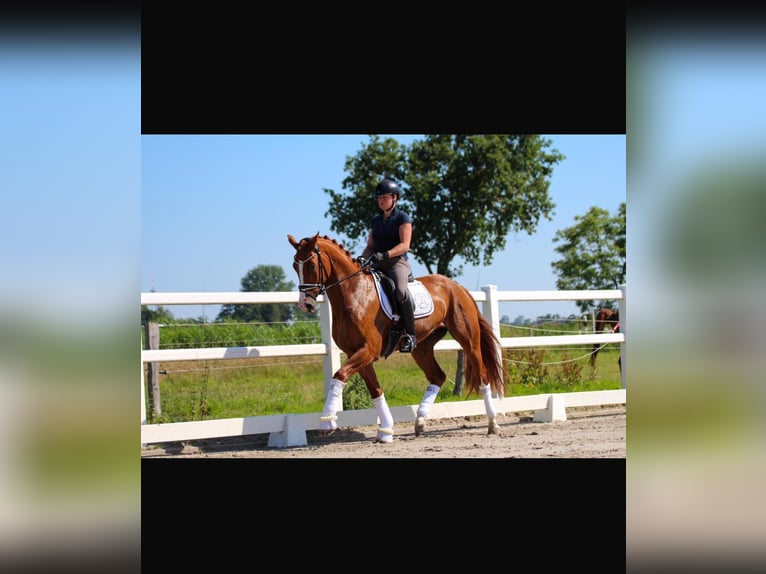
{"x": 387, "y": 186}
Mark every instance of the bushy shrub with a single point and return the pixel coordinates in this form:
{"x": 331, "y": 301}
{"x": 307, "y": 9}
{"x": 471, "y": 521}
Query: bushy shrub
{"x": 568, "y": 373}
{"x": 355, "y": 394}
{"x": 525, "y": 367}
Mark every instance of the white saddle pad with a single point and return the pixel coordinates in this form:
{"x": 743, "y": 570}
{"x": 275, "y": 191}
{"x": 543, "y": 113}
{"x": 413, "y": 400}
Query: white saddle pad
{"x": 424, "y": 305}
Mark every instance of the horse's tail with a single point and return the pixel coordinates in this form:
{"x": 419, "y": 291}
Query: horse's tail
{"x": 491, "y": 358}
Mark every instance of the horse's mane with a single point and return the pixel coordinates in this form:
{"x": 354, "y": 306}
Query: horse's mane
{"x": 339, "y": 247}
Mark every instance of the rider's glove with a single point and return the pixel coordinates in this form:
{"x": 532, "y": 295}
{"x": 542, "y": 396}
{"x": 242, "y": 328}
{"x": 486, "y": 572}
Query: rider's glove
{"x": 380, "y": 256}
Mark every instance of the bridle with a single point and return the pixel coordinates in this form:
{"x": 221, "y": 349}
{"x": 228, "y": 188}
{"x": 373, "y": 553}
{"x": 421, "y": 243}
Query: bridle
{"x": 322, "y": 274}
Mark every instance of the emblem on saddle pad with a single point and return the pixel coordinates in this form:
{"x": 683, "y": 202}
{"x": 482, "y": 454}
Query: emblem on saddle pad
{"x": 420, "y": 296}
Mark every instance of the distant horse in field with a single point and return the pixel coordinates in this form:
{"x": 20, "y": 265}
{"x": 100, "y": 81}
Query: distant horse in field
{"x": 364, "y": 327}
{"x": 609, "y": 320}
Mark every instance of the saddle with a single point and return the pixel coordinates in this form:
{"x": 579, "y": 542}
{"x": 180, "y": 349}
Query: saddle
{"x": 423, "y": 304}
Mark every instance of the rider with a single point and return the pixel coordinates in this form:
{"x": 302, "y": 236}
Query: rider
{"x": 387, "y": 245}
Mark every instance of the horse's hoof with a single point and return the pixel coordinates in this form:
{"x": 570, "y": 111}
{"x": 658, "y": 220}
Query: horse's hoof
{"x": 327, "y": 424}
{"x": 385, "y": 435}
{"x": 494, "y": 428}
{"x": 420, "y": 425}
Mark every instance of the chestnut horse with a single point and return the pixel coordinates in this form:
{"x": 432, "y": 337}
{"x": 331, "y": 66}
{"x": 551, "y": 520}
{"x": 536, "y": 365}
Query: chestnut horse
{"x": 610, "y": 320}
{"x": 361, "y": 328}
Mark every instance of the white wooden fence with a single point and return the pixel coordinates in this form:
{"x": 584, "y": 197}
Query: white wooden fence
{"x": 290, "y": 430}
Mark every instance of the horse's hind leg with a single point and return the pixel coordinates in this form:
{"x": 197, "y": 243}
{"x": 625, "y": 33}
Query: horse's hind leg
{"x": 424, "y": 357}
{"x": 486, "y": 394}
{"x": 476, "y": 376}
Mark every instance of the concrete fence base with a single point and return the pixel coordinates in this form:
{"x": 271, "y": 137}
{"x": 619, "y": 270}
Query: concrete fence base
{"x": 290, "y": 430}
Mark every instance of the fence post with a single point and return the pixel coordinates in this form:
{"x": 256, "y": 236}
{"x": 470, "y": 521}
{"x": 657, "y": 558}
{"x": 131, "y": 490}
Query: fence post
{"x": 143, "y": 389}
{"x": 153, "y": 343}
{"x": 623, "y": 330}
{"x": 331, "y": 361}
{"x": 491, "y": 312}
{"x": 491, "y": 308}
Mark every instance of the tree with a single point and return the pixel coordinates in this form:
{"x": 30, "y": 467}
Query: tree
{"x": 260, "y": 278}
{"x": 157, "y": 315}
{"x": 464, "y": 193}
{"x": 593, "y": 254}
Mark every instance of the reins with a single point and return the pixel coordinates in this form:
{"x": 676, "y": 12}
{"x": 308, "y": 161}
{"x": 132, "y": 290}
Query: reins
{"x": 304, "y": 287}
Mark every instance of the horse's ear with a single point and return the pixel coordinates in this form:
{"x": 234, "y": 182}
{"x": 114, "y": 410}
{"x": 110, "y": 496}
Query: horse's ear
{"x": 292, "y": 241}
{"x": 313, "y": 240}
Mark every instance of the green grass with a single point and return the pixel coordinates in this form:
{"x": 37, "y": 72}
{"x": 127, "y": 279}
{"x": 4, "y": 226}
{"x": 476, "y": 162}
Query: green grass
{"x": 206, "y": 390}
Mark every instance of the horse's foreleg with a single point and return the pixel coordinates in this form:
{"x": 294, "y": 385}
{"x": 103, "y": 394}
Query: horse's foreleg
{"x": 385, "y": 418}
{"x": 424, "y": 357}
{"x": 334, "y": 400}
{"x": 486, "y": 393}
{"x": 429, "y": 397}
{"x": 333, "y": 403}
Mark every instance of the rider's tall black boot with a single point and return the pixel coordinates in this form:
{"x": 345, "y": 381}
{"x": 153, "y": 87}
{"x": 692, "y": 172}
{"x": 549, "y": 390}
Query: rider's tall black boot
{"x": 407, "y": 313}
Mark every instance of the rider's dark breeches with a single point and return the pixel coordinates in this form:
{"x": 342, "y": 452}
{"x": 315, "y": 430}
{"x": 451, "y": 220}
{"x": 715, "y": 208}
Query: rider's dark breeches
{"x": 398, "y": 269}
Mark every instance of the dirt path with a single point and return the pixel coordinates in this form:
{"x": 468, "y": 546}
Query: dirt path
{"x": 593, "y": 432}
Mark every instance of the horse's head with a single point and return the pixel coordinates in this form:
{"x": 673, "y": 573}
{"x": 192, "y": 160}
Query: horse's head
{"x": 321, "y": 263}
{"x": 311, "y": 273}
{"x": 607, "y": 318}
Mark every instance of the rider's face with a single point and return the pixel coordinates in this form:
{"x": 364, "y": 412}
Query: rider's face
{"x": 386, "y": 201}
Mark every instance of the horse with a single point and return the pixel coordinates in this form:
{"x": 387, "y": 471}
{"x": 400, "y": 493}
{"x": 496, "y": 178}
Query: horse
{"x": 363, "y": 331}
{"x": 605, "y": 318}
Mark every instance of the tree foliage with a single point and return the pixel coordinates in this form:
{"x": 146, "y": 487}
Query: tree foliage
{"x": 592, "y": 254}
{"x": 260, "y": 278}
{"x": 157, "y": 315}
{"x": 464, "y": 193}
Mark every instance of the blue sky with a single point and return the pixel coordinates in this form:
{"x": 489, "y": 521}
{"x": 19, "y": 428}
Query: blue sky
{"x": 214, "y": 206}
{"x": 70, "y": 173}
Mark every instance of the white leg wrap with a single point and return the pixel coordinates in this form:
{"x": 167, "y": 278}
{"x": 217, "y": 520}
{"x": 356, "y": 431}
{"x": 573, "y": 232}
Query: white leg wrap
{"x": 486, "y": 393}
{"x": 333, "y": 403}
{"x": 386, "y": 424}
{"x": 428, "y": 400}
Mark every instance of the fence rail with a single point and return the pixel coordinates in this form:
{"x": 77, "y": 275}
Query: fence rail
{"x": 289, "y": 430}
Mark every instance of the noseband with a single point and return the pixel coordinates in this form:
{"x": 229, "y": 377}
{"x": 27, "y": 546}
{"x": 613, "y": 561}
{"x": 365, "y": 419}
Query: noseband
{"x": 305, "y": 287}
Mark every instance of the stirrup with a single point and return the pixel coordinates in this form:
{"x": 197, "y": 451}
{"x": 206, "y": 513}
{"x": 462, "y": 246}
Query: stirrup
{"x": 409, "y": 342}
